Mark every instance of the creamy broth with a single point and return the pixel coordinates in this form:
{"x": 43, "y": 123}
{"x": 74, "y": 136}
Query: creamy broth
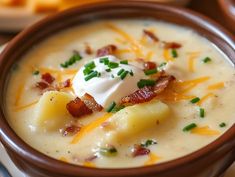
{"x": 211, "y": 79}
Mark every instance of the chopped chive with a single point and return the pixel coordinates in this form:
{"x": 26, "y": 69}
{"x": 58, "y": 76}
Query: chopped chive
{"x": 222, "y": 124}
{"x": 36, "y": 72}
{"x": 113, "y": 65}
{"x": 160, "y": 67}
{"x": 195, "y": 100}
{"x": 206, "y": 60}
{"x": 91, "y": 75}
{"x": 150, "y": 72}
{"x": 108, "y": 70}
{"x": 202, "y": 112}
{"x": 146, "y": 82}
{"x": 99, "y": 74}
{"x": 123, "y": 74}
{"x": 148, "y": 143}
{"x": 111, "y": 106}
{"x": 90, "y": 65}
{"x": 189, "y": 127}
{"x": 112, "y": 76}
{"x": 117, "y": 108}
{"x": 111, "y": 151}
{"x": 125, "y": 62}
{"x": 174, "y": 53}
{"x": 87, "y": 71}
{"x": 73, "y": 59}
{"x": 104, "y": 60}
{"x": 131, "y": 73}
{"x": 120, "y": 72}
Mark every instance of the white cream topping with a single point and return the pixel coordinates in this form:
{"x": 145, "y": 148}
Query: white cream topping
{"x": 105, "y": 88}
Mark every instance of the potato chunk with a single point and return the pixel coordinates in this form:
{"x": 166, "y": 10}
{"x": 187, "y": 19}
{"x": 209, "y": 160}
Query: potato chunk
{"x": 51, "y": 113}
{"x": 135, "y": 119}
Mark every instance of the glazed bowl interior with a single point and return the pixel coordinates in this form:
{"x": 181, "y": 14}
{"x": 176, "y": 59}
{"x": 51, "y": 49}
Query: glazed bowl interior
{"x": 77, "y": 16}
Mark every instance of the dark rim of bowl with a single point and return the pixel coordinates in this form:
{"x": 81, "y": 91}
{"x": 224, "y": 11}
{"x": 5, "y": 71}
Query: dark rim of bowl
{"x": 17, "y": 145}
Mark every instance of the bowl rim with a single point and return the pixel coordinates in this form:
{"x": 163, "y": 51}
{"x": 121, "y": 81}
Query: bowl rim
{"x": 12, "y": 141}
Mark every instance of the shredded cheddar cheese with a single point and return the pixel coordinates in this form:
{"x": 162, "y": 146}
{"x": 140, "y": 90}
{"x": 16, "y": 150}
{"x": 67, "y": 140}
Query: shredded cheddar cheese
{"x": 205, "y": 131}
{"x": 149, "y": 55}
{"x": 216, "y": 86}
{"x": 152, "y": 159}
{"x": 204, "y": 98}
{"x": 91, "y": 126}
{"x": 63, "y": 159}
{"x": 191, "y": 61}
{"x": 89, "y": 164}
{"x": 19, "y": 94}
{"x": 166, "y": 55}
{"x": 194, "y": 81}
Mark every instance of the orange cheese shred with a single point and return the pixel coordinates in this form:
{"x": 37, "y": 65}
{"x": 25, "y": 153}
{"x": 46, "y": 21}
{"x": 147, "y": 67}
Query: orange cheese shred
{"x": 63, "y": 159}
{"x": 153, "y": 158}
{"x": 149, "y": 55}
{"x": 20, "y": 108}
{"x": 166, "y": 55}
{"x": 135, "y": 46}
{"x": 205, "y": 131}
{"x": 191, "y": 61}
{"x": 122, "y": 51}
{"x": 19, "y": 94}
{"x": 89, "y": 164}
{"x": 216, "y": 86}
{"x": 65, "y": 71}
{"x": 91, "y": 126}
{"x": 194, "y": 81}
{"x": 204, "y": 98}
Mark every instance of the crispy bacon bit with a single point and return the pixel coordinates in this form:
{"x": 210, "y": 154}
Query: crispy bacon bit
{"x": 71, "y": 130}
{"x": 138, "y": 150}
{"x": 64, "y": 84}
{"x": 91, "y": 103}
{"x": 171, "y": 45}
{"x": 162, "y": 83}
{"x": 42, "y": 85}
{"x": 78, "y": 108}
{"x": 140, "y": 96}
{"x": 151, "y": 35}
{"x": 91, "y": 158}
{"x": 48, "y": 78}
{"x": 148, "y": 65}
{"x": 88, "y": 49}
{"x": 106, "y": 50}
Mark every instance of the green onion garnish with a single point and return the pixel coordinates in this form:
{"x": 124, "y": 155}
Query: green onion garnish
{"x": 189, "y": 127}
{"x": 202, "y": 112}
{"x": 123, "y": 75}
{"x": 113, "y": 65}
{"x": 110, "y": 151}
{"x": 206, "y": 60}
{"x": 91, "y": 75}
{"x": 195, "y": 100}
{"x": 90, "y": 65}
{"x": 160, "y": 67}
{"x": 146, "y": 82}
{"x": 117, "y": 108}
{"x": 104, "y": 60}
{"x": 120, "y": 72}
{"x": 150, "y": 72}
{"x": 222, "y": 124}
{"x": 111, "y": 106}
{"x": 174, "y": 53}
{"x": 73, "y": 59}
{"x": 87, "y": 71}
{"x": 108, "y": 70}
{"x": 131, "y": 73}
{"x": 36, "y": 72}
{"x": 125, "y": 62}
{"x": 148, "y": 143}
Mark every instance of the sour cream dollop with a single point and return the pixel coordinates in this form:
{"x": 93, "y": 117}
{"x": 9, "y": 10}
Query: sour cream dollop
{"x": 108, "y": 86}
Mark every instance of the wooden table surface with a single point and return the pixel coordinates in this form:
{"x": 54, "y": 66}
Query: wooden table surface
{"x": 209, "y": 8}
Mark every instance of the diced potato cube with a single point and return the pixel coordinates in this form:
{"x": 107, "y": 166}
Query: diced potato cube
{"x": 51, "y": 112}
{"x": 134, "y": 119}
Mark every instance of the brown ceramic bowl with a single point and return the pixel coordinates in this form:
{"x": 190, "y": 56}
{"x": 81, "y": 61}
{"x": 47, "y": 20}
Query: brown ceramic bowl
{"x": 210, "y": 161}
{"x": 228, "y": 9}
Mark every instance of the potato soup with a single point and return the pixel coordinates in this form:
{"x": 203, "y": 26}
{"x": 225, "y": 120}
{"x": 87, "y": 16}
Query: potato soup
{"x": 121, "y": 93}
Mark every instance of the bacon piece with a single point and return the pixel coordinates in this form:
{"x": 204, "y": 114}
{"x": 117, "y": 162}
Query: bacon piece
{"x": 171, "y": 45}
{"x": 64, "y": 84}
{"x": 47, "y": 77}
{"x": 162, "y": 83}
{"x": 78, "y": 108}
{"x": 88, "y": 49}
{"x": 91, "y": 103}
{"x": 149, "y": 65}
{"x": 138, "y": 150}
{"x": 106, "y": 50}
{"x": 151, "y": 35}
{"x": 140, "y": 96}
{"x": 71, "y": 130}
{"x": 42, "y": 85}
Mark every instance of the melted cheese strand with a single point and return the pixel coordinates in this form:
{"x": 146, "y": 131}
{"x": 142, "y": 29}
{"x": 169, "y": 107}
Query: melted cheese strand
{"x": 19, "y": 94}
{"x": 216, "y": 86}
{"x": 149, "y": 55}
{"x": 194, "y": 81}
{"x": 204, "y": 131}
{"x": 20, "y": 108}
{"x": 166, "y": 55}
{"x": 204, "y": 98}
{"x": 89, "y": 164}
{"x": 91, "y": 126}
{"x": 191, "y": 62}
{"x": 152, "y": 159}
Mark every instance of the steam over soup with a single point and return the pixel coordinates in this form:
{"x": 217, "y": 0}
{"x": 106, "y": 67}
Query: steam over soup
{"x": 122, "y": 93}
